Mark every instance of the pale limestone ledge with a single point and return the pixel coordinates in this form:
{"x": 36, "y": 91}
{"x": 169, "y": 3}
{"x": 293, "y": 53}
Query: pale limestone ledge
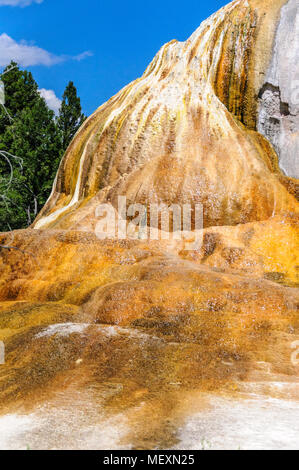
{"x": 278, "y": 118}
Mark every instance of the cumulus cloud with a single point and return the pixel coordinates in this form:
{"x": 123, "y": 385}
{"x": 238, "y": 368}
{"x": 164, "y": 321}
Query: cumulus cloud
{"x": 26, "y": 54}
{"x": 51, "y": 99}
{"x": 18, "y": 3}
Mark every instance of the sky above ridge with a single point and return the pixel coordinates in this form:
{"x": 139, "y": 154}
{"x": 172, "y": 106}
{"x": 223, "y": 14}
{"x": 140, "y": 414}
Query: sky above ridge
{"x": 101, "y": 46}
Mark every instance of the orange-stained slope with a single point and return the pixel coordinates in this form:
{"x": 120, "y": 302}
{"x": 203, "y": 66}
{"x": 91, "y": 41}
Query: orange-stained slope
{"x": 185, "y": 132}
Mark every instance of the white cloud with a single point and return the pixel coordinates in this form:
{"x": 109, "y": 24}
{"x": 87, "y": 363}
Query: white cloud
{"x": 26, "y": 54}
{"x": 83, "y": 55}
{"x": 18, "y": 3}
{"x": 51, "y": 99}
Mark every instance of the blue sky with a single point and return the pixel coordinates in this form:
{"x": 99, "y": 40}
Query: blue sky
{"x": 99, "y": 45}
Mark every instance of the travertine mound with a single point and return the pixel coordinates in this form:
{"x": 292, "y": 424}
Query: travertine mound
{"x": 186, "y": 131}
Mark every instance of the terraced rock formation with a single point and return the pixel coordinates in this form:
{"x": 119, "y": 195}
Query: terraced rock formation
{"x": 131, "y": 335}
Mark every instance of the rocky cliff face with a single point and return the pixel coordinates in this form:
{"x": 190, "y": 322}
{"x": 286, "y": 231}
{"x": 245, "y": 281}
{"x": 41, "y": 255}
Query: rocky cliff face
{"x": 134, "y": 331}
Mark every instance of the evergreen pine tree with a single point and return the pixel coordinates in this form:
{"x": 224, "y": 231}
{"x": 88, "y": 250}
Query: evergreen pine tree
{"x": 32, "y": 135}
{"x": 20, "y": 92}
{"x": 70, "y": 115}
